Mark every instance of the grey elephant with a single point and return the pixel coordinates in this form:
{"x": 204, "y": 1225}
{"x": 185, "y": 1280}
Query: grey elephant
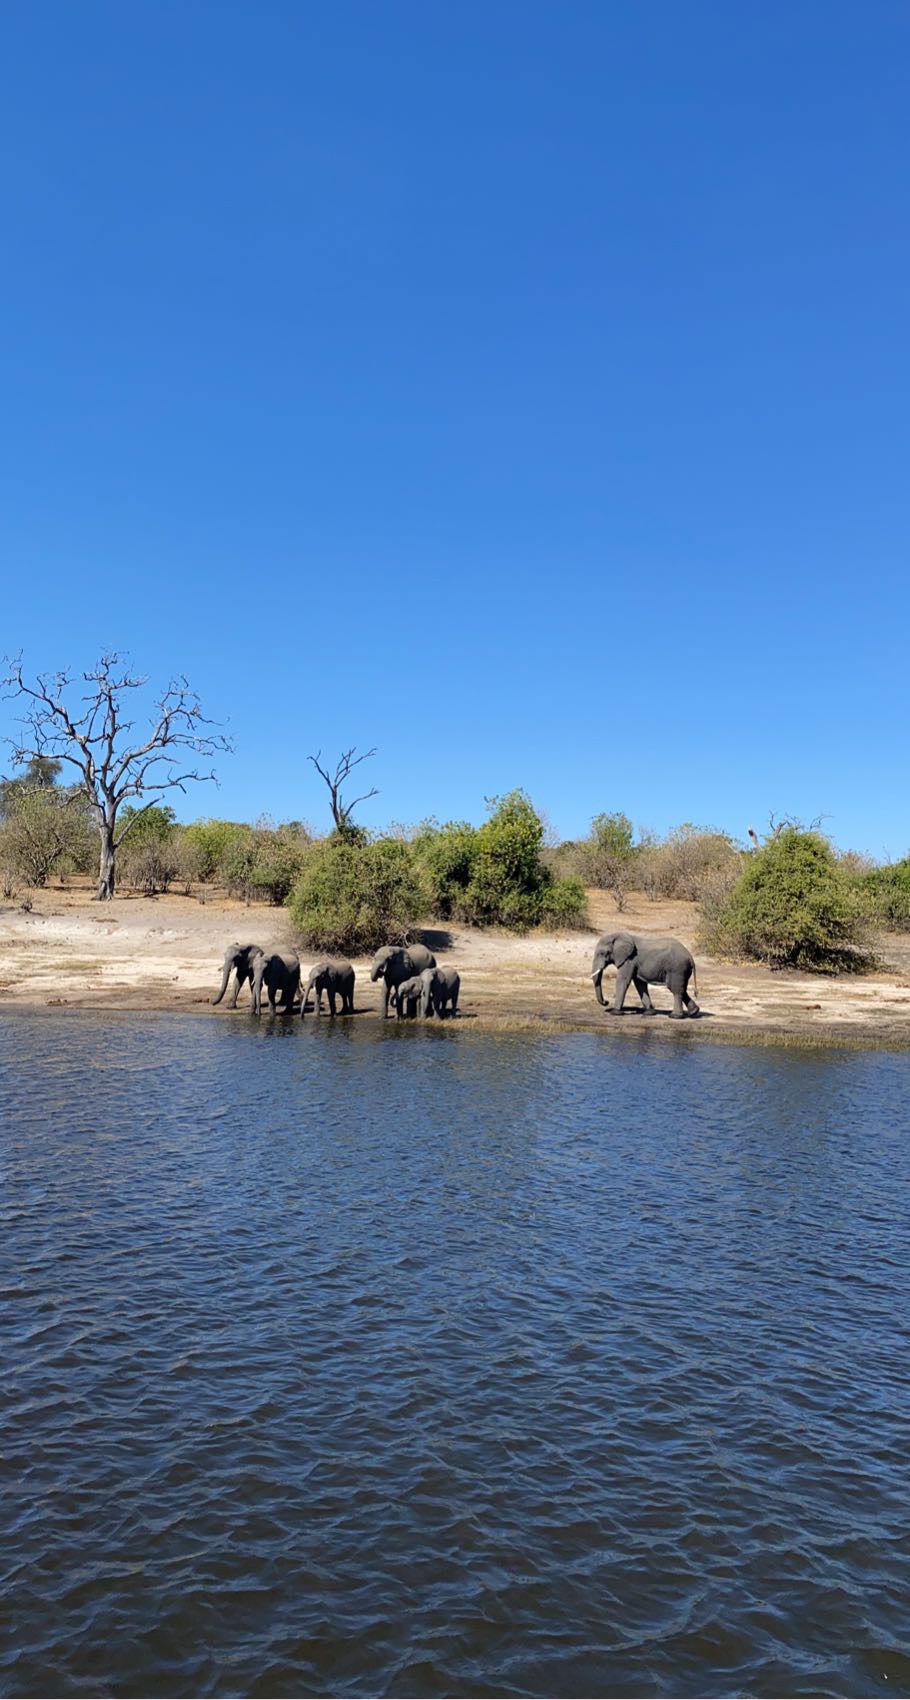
{"x": 238, "y": 957}
{"x": 642, "y": 962}
{"x": 278, "y": 971}
{"x": 408, "y": 997}
{"x": 396, "y": 963}
{"x": 336, "y": 979}
{"x": 439, "y": 991}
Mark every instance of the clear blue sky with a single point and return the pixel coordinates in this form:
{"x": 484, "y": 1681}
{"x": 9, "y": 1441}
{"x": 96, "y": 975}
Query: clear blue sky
{"x": 519, "y": 387}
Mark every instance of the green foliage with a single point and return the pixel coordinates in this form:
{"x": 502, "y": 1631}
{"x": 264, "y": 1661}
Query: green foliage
{"x": 792, "y": 907}
{"x": 213, "y": 841}
{"x": 608, "y": 856}
{"x": 353, "y": 897}
{"x": 887, "y": 892}
{"x": 45, "y": 829}
{"x": 147, "y": 826}
{"x": 496, "y": 874}
{"x": 278, "y": 862}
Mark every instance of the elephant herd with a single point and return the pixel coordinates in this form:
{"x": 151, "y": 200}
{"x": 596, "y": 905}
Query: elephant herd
{"x": 413, "y": 983}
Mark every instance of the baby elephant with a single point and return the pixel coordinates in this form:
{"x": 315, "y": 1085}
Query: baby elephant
{"x": 336, "y": 979}
{"x": 439, "y": 991}
{"x": 407, "y": 997}
{"x": 238, "y": 958}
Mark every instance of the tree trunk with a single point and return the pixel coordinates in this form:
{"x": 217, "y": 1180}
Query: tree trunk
{"x": 107, "y": 870}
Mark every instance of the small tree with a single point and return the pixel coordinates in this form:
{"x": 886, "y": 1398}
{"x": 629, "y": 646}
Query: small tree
{"x": 342, "y": 812}
{"x": 43, "y": 826}
{"x": 93, "y": 736}
{"x": 609, "y": 855}
{"x": 354, "y": 897}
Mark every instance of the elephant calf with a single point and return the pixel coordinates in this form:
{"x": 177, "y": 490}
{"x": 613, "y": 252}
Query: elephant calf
{"x": 409, "y": 995}
{"x": 643, "y": 961}
{"x": 336, "y": 979}
{"x": 440, "y": 991}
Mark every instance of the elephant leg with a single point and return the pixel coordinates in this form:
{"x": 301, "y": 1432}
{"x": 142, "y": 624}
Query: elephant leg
{"x": 623, "y": 981}
{"x": 385, "y": 999}
{"x": 331, "y": 997}
{"x": 232, "y": 1003}
{"x": 692, "y": 1007}
{"x": 641, "y": 986}
{"x": 677, "y": 1013}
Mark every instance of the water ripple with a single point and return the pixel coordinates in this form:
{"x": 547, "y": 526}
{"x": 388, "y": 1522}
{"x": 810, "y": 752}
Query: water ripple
{"x": 427, "y": 1363}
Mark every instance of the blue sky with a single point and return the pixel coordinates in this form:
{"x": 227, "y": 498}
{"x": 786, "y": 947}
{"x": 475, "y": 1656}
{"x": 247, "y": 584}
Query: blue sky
{"x": 520, "y": 388}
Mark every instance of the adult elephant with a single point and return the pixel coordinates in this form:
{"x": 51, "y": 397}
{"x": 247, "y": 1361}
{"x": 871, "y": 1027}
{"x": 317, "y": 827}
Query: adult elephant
{"x": 642, "y": 962}
{"x": 439, "y": 991}
{"x": 278, "y": 971}
{"x": 239, "y": 959}
{"x": 396, "y": 963}
{"x": 336, "y": 979}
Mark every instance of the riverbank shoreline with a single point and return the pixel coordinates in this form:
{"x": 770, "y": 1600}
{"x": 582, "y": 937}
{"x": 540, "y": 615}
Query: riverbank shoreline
{"x": 140, "y": 955}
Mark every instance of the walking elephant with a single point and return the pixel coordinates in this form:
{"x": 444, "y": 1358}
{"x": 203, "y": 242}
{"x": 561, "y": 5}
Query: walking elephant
{"x": 439, "y": 991}
{"x": 396, "y": 963}
{"x": 642, "y": 962}
{"x": 278, "y": 971}
{"x": 238, "y": 957}
{"x": 336, "y": 979}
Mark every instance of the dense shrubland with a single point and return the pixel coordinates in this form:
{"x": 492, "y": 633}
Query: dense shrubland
{"x": 791, "y": 901}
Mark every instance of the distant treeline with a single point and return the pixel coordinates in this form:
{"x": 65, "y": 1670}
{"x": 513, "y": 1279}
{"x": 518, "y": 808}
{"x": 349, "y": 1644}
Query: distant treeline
{"x": 790, "y": 900}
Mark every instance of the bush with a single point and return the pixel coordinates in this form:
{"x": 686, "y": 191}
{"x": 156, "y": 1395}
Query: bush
{"x": 45, "y": 829}
{"x": 792, "y": 907}
{"x": 564, "y": 903}
{"x": 352, "y": 897}
{"x": 278, "y": 862}
{"x": 145, "y": 859}
{"x": 694, "y": 863}
{"x": 608, "y": 855}
{"x": 887, "y": 892}
{"x": 496, "y": 874}
{"x": 213, "y": 841}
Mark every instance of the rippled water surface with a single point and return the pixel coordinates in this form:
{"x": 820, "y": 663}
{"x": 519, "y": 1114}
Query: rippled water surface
{"x": 349, "y": 1361}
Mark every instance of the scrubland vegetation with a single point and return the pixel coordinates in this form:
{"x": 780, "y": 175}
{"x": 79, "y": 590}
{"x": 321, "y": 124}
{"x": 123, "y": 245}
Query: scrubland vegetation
{"x": 789, "y": 901}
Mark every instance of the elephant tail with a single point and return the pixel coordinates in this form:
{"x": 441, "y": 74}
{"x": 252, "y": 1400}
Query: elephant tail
{"x": 694, "y": 978}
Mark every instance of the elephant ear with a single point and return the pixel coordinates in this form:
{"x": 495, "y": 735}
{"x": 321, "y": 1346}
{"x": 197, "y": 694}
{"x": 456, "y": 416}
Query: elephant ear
{"x": 623, "y": 948}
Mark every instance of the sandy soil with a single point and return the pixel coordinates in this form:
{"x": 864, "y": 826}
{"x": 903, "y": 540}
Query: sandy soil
{"x": 165, "y": 952}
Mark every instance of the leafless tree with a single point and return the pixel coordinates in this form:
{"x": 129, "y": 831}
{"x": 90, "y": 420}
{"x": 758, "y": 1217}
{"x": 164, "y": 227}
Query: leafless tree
{"x": 341, "y": 811}
{"x": 92, "y": 734}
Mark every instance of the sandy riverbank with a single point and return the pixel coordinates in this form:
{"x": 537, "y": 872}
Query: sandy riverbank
{"x": 159, "y": 953}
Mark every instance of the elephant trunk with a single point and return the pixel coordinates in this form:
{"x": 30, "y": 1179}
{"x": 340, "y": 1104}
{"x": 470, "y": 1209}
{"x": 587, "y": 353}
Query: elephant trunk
{"x": 224, "y": 980}
{"x": 597, "y": 977}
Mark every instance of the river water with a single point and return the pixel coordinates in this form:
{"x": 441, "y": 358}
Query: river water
{"x": 350, "y": 1360}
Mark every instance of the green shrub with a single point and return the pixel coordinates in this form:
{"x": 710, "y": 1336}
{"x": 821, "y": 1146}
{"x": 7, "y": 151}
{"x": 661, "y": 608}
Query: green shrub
{"x": 564, "y": 903}
{"x": 608, "y": 855}
{"x": 496, "y": 874}
{"x": 278, "y": 862}
{"x": 887, "y": 891}
{"x": 45, "y": 829}
{"x": 792, "y": 907}
{"x": 214, "y": 841}
{"x": 446, "y": 856}
{"x": 351, "y": 897}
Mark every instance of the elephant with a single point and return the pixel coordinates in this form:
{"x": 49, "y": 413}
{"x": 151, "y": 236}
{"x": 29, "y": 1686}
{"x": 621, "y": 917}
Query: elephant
{"x": 336, "y": 979}
{"x": 408, "y": 997}
{"x": 396, "y": 963}
{"x": 439, "y": 988}
{"x": 240, "y": 958}
{"x": 641, "y": 961}
{"x": 278, "y": 971}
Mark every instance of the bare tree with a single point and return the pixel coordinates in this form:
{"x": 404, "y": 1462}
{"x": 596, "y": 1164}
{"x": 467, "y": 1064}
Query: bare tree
{"x": 93, "y": 736}
{"x": 341, "y": 811}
